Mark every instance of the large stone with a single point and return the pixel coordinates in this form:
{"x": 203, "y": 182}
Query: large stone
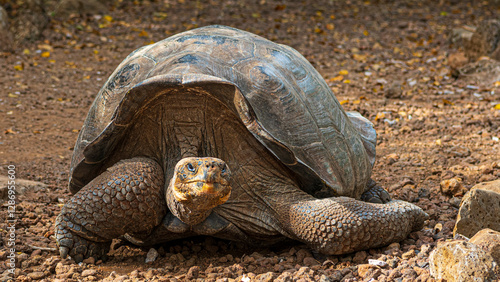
{"x": 485, "y": 41}
{"x": 489, "y": 240}
{"x": 6, "y": 39}
{"x": 21, "y": 186}
{"x": 480, "y": 209}
{"x": 460, "y": 261}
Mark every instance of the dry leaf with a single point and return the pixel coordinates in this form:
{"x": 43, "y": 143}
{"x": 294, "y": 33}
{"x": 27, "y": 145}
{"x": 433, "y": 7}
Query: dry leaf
{"x": 108, "y": 18}
{"x": 344, "y": 102}
{"x": 343, "y": 72}
{"x": 380, "y": 115}
{"x": 45, "y": 54}
{"x": 19, "y": 67}
{"x": 337, "y": 78}
{"x": 447, "y": 102}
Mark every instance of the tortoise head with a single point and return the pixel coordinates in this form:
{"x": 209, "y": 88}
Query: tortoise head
{"x": 197, "y": 186}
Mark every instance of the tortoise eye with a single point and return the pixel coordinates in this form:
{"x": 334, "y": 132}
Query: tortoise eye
{"x": 223, "y": 169}
{"x": 190, "y": 167}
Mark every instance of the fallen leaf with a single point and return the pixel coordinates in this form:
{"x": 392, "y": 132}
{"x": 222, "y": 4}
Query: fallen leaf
{"x": 45, "y": 47}
{"x": 45, "y": 54}
{"x": 143, "y": 33}
{"x": 19, "y": 67}
{"x": 343, "y": 72}
{"x": 337, "y": 78}
{"x": 11, "y": 95}
{"x": 344, "y": 102}
{"x": 497, "y": 83}
{"x": 26, "y": 52}
{"x": 497, "y": 107}
{"x": 330, "y": 26}
{"x": 347, "y": 81}
{"x": 447, "y": 102}
{"x": 380, "y": 115}
{"x": 9, "y": 131}
{"x": 108, "y": 18}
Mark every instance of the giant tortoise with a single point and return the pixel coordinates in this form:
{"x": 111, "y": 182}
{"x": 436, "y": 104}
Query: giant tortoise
{"x": 217, "y": 131}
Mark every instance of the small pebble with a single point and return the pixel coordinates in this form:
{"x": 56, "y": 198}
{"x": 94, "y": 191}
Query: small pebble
{"x": 151, "y": 256}
{"x": 377, "y": 262}
{"x": 88, "y": 272}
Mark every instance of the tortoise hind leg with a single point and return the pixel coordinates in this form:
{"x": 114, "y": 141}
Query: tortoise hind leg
{"x": 127, "y": 198}
{"x": 375, "y": 194}
{"x": 343, "y": 225}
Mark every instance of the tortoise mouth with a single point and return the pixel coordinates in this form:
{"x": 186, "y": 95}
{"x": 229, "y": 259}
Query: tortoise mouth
{"x": 202, "y": 192}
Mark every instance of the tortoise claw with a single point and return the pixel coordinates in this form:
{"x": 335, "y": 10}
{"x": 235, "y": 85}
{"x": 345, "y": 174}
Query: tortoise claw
{"x": 72, "y": 244}
{"x": 63, "y": 252}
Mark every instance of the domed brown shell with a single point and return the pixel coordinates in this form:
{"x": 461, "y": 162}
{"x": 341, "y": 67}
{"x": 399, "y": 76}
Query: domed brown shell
{"x": 276, "y": 92}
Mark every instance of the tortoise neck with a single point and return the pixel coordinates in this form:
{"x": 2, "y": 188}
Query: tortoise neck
{"x": 183, "y": 212}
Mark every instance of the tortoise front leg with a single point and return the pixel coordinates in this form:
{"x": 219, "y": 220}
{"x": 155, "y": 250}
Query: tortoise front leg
{"x": 127, "y": 198}
{"x": 343, "y": 225}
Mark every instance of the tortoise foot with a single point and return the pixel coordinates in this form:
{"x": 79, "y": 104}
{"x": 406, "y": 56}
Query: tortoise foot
{"x": 375, "y": 194}
{"x": 79, "y": 248}
{"x": 343, "y": 225}
{"x": 125, "y": 199}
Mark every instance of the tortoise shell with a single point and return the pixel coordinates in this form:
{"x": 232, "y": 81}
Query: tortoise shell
{"x": 277, "y": 94}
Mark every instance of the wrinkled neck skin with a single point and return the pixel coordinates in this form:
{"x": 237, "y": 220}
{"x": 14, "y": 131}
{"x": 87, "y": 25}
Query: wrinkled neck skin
{"x": 183, "y": 212}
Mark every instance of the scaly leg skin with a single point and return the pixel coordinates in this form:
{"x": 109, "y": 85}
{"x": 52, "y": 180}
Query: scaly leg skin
{"x": 127, "y": 198}
{"x": 343, "y": 225}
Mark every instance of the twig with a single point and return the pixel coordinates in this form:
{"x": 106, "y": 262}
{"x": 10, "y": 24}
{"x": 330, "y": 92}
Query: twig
{"x": 43, "y": 248}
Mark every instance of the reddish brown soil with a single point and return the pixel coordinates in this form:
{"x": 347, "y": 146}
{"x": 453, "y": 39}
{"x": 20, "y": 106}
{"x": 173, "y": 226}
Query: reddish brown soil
{"x": 393, "y": 57}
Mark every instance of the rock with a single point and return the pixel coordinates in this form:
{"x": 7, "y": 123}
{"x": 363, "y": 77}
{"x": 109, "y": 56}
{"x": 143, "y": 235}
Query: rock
{"x": 193, "y": 272}
{"x": 410, "y": 254}
{"x": 264, "y": 277}
{"x": 5, "y": 34}
{"x": 485, "y": 41}
{"x": 310, "y": 261}
{"x": 459, "y": 261}
{"x": 89, "y": 260}
{"x": 394, "y": 91}
{"x": 81, "y": 7}
{"x": 489, "y": 240}
{"x": 151, "y": 256}
{"x": 459, "y": 36}
{"x": 456, "y": 61}
{"x": 301, "y": 254}
{"x": 394, "y": 246}
{"x": 360, "y": 257}
{"x": 37, "y": 275}
{"x": 365, "y": 269}
{"x": 21, "y": 186}
{"x": 479, "y": 209}
{"x": 284, "y": 277}
{"x": 377, "y": 262}
{"x": 89, "y": 272}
